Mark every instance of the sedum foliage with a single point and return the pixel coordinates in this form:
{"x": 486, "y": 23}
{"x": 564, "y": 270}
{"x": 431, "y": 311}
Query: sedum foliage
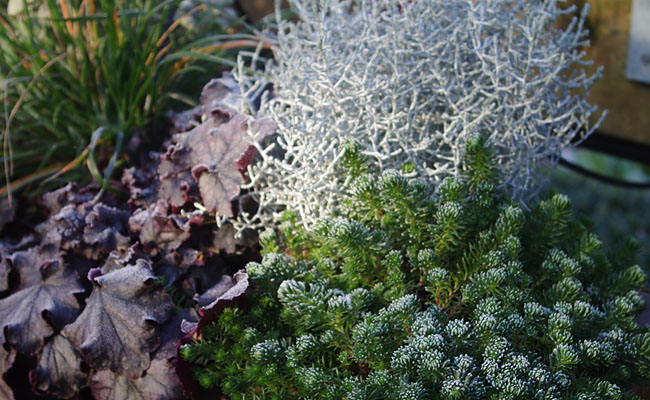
{"x": 421, "y": 293}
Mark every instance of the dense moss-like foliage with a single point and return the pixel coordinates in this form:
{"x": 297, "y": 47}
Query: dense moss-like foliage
{"x": 421, "y": 293}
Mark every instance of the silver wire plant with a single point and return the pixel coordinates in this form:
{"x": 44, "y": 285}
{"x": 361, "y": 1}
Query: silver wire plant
{"x": 411, "y": 81}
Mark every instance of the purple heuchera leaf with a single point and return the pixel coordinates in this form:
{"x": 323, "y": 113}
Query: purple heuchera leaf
{"x": 172, "y": 331}
{"x": 185, "y": 120}
{"x": 199, "y": 278}
{"x": 160, "y": 380}
{"x": 58, "y": 372}
{"x": 226, "y": 239}
{"x": 221, "y": 94}
{"x": 141, "y": 186}
{"x": 210, "y": 156}
{"x": 234, "y": 293}
{"x": 176, "y": 263}
{"x": 52, "y": 296}
{"x": 28, "y": 263}
{"x": 121, "y": 257}
{"x": 230, "y": 293}
{"x": 68, "y": 194}
{"x": 105, "y": 228}
{"x": 159, "y": 383}
{"x": 216, "y": 291}
{"x": 157, "y": 229}
{"x": 65, "y": 228}
{"x": 114, "y": 330}
{"x": 6, "y": 360}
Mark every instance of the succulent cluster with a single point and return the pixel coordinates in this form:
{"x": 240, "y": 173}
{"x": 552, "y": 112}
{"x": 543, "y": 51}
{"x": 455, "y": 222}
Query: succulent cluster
{"x": 411, "y": 81}
{"x": 416, "y": 292}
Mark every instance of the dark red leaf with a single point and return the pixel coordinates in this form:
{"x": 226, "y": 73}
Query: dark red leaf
{"x": 157, "y": 229}
{"x": 114, "y": 330}
{"x": 210, "y": 157}
{"x": 58, "y": 372}
{"x": 6, "y": 360}
{"x": 234, "y": 294}
{"x": 106, "y": 228}
{"x": 52, "y": 296}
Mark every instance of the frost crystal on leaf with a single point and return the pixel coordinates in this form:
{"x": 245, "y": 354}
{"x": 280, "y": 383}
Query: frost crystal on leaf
{"x": 418, "y": 79}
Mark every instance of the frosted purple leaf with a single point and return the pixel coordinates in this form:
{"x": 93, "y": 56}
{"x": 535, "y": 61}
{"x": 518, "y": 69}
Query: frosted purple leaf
{"x": 58, "y": 372}
{"x": 115, "y": 329}
{"x": 6, "y": 360}
{"x": 157, "y": 229}
{"x": 25, "y": 316}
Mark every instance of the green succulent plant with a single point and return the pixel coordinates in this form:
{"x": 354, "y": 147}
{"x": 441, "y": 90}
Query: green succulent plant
{"x": 422, "y": 292}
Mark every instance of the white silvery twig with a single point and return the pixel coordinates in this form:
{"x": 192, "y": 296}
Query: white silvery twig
{"x": 411, "y": 82}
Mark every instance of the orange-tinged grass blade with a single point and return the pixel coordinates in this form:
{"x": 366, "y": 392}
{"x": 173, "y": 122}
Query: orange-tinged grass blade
{"x": 167, "y": 32}
{"x": 91, "y": 26}
{"x": 116, "y": 21}
{"x": 176, "y": 23}
{"x": 233, "y": 44}
{"x": 66, "y": 14}
{"x": 28, "y": 178}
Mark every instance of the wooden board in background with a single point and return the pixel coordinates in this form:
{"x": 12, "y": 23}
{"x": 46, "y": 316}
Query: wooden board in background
{"x": 627, "y": 102}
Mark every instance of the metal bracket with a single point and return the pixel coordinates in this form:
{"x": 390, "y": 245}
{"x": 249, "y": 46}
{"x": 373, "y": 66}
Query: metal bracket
{"x": 638, "y": 54}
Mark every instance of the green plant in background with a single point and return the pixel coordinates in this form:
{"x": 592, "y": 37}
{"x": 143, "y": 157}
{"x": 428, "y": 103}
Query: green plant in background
{"x": 69, "y": 68}
{"x": 616, "y": 214}
{"x": 411, "y": 294}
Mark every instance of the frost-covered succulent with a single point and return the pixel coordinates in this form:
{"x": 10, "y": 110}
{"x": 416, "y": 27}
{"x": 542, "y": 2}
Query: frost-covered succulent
{"x": 411, "y": 81}
{"x": 521, "y": 304}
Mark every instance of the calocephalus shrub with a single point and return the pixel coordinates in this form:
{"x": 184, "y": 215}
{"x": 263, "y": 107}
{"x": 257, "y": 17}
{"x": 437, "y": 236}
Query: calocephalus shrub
{"x": 410, "y": 82}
